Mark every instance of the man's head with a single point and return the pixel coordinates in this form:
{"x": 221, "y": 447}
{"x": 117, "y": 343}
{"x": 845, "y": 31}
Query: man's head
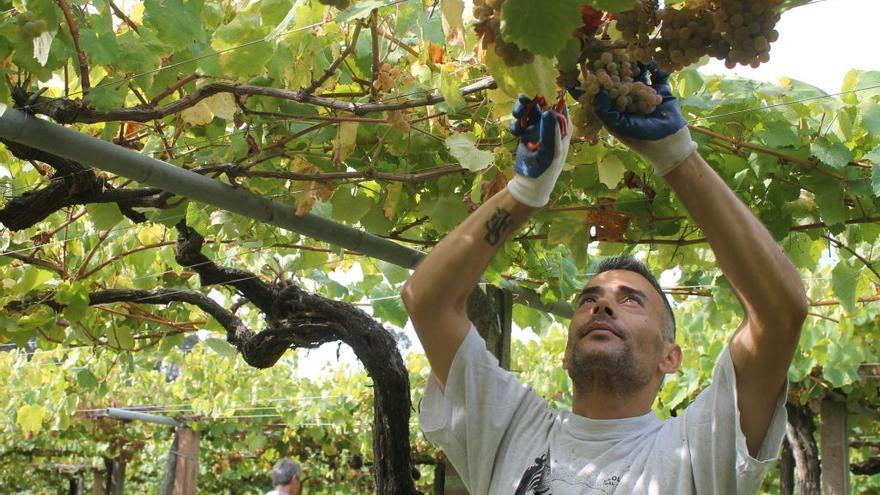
{"x": 622, "y": 336}
{"x": 286, "y": 475}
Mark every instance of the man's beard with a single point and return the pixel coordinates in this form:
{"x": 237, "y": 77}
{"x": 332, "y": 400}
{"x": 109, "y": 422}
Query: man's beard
{"x": 617, "y": 372}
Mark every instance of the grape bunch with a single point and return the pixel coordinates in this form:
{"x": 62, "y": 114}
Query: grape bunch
{"x": 686, "y": 35}
{"x": 615, "y": 71}
{"x": 746, "y": 27}
{"x": 636, "y": 25}
{"x": 488, "y": 15}
{"x": 29, "y": 27}
{"x": 339, "y": 4}
{"x": 386, "y": 77}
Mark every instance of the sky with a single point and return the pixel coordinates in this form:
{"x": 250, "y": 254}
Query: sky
{"x": 818, "y": 44}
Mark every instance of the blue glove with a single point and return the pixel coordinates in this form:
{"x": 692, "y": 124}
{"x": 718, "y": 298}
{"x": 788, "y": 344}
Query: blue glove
{"x": 662, "y": 137}
{"x": 541, "y": 152}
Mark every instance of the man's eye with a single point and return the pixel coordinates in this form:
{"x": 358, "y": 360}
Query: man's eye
{"x": 587, "y": 300}
{"x": 633, "y": 299}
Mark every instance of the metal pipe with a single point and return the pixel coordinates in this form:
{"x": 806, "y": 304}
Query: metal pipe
{"x": 56, "y": 139}
{"x": 115, "y": 413}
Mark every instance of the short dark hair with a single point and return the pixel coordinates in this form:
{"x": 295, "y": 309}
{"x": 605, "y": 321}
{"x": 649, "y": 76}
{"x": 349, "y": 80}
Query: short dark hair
{"x": 631, "y": 264}
{"x": 284, "y": 471}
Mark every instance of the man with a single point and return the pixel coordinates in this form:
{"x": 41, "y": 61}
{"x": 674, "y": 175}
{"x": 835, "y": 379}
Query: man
{"x": 503, "y": 439}
{"x": 286, "y": 477}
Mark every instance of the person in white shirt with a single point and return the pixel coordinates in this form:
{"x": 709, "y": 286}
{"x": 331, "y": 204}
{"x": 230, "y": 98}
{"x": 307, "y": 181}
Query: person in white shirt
{"x": 286, "y": 475}
{"x": 503, "y": 439}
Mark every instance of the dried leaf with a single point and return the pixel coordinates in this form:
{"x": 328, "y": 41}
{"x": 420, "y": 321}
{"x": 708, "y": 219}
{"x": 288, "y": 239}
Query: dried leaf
{"x": 198, "y": 115}
{"x": 345, "y": 140}
{"x": 222, "y": 105}
{"x": 392, "y": 199}
{"x": 453, "y": 21}
{"x": 435, "y": 53}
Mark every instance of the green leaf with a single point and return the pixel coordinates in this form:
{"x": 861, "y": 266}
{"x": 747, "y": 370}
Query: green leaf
{"x": 33, "y": 278}
{"x": 844, "y": 279}
{"x": 75, "y": 297}
{"x": 359, "y": 10}
{"x": 449, "y": 88}
{"x": 464, "y": 148}
{"x": 30, "y": 418}
{"x": 105, "y": 216}
{"x": 86, "y": 379}
{"x": 348, "y": 206}
{"x": 177, "y": 22}
{"x": 833, "y": 154}
{"x": 119, "y": 337}
{"x": 612, "y": 5}
{"x": 830, "y": 201}
{"x": 170, "y": 217}
{"x": 448, "y": 212}
{"x": 611, "y": 170}
{"x": 537, "y": 78}
{"x": 538, "y": 26}
{"x": 221, "y": 347}
{"x": 870, "y": 117}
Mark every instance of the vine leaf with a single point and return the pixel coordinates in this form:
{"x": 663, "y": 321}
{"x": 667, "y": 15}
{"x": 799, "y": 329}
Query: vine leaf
{"x": 453, "y": 24}
{"x": 359, "y": 10}
{"x": 870, "y": 117}
{"x": 541, "y": 30}
{"x": 532, "y": 79}
{"x": 844, "y": 279}
{"x": 30, "y": 418}
{"x": 345, "y": 139}
{"x": 830, "y": 153}
{"x": 464, "y": 148}
{"x": 874, "y": 158}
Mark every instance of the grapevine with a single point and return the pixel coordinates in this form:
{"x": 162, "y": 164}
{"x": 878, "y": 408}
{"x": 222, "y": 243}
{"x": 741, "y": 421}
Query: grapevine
{"x": 339, "y": 4}
{"x": 488, "y": 27}
{"x": 386, "y": 77}
{"x": 737, "y": 31}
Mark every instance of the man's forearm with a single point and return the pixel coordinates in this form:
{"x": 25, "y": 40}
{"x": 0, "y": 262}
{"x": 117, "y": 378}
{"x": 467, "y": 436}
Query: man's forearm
{"x": 436, "y": 294}
{"x": 768, "y": 283}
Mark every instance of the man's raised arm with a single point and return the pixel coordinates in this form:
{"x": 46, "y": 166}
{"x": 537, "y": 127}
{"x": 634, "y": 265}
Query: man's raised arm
{"x": 765, "y": 280}
{"x": 436, "y": 295}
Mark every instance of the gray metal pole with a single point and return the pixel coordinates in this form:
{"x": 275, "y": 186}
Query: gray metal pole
{"x": 115, "y": 413}
{"x": 52, "y": 138}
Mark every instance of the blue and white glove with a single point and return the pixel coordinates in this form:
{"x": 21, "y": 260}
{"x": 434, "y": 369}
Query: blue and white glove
{"x": 663, "y": 137}
{"x": 544, "y": 138}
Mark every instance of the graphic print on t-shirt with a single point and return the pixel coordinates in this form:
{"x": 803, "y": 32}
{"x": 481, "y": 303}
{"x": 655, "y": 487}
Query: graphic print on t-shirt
{"x": 536, "y": 479}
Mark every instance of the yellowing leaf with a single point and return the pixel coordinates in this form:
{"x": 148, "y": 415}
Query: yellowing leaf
{"x": 30, "y": 418}
{"x": 392, "y": 199}
{"x": 453, "y": 23}
{"x": 449, "y": 87}
{"x": 611, "y": 171}
{"x": 199, "y": 114}
{"x": 537, "y": 78}
{"x": 221, "y": 105}
{"x": 345, "y": 140}
{"x": 464, "y": 148}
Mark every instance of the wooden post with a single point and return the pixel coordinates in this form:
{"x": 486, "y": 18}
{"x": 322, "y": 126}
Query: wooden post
{"x": 97, "y": 481}
{"x": 491, "y": 310}
{"x": 167, "y": 485}
{"x": 834, "y": 444}
{"x": 786, "y": 470}
{"x": 187, "y": 461}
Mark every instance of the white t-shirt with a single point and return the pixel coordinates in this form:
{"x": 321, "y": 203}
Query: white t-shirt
{"x": 504, "y": 440}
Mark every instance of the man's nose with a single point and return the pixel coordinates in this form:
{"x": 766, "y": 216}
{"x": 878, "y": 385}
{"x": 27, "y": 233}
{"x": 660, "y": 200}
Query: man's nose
{"x": 602, "y": 306}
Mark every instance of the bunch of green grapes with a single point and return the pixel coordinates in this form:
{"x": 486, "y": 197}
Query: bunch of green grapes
{"x": 339, "y": 4}
{"x": 488, "y": 15}
{"x": 686, "y": 35}
{"x": 29, "y": 27}
{"x": 747, "y": 27}
{"x": 637, "y": 24}
{"x": 614, "y": 71}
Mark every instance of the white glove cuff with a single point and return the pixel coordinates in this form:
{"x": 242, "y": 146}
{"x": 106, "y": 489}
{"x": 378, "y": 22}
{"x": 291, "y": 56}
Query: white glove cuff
{"x": 666, "y": 154}
{"x": 528, "y": 191}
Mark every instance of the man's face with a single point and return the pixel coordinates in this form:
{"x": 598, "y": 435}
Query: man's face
{"x": 615, "y": 340}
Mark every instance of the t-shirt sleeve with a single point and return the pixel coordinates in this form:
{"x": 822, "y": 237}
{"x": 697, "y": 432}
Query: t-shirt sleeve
{"x": 718, "y": 451}
{"x": 481, "y": 403}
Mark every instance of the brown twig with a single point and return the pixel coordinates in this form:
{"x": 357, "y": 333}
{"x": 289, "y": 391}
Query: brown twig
{"x": 332, "y": 69}
{"x": 33, "y": 260}
{"x": 174, "y": 87}
{"x": 82, "y": 268}
{"x": 409, "y": 178}
{"x": 397, "y": 42}
{"x": 736, "y": 143}
{"x": 843, "y": 246}
{"x": 74, "y": 33}
{"x": 374, "y": 28}
{"x": 124, "y": 18}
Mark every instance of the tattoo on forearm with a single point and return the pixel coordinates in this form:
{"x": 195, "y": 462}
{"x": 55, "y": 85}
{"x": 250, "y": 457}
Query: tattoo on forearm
{"x": 495, "y": 227}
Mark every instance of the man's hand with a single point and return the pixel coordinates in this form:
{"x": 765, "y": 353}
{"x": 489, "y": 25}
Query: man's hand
{"x": 544, "y": 138}
{"x": 662, "y": 137}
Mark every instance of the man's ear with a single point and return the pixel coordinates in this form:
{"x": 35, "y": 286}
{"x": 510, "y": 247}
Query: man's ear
{"x": 671, "y": 359}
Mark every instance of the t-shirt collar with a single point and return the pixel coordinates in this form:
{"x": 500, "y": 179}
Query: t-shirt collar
{"x": 607, "y": 429}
